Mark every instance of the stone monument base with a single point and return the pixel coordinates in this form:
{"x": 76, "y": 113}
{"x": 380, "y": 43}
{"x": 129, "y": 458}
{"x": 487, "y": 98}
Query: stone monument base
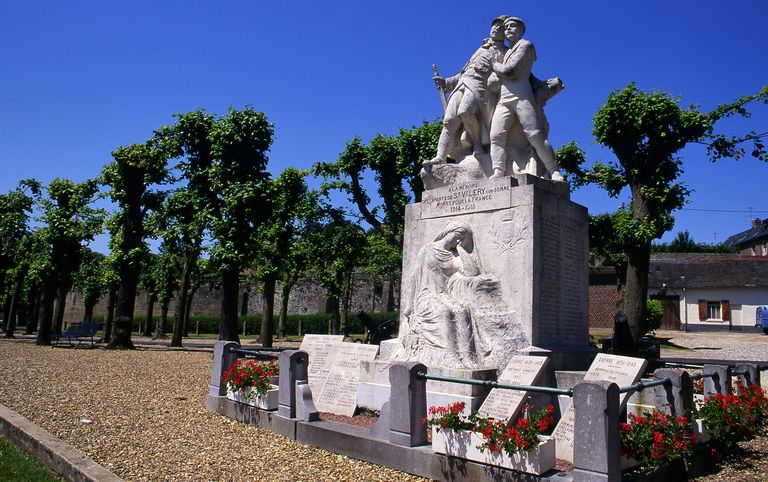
{"x": 373, "y": 389}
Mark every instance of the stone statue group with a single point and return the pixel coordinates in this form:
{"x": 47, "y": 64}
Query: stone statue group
{"x": 496, "y": 101}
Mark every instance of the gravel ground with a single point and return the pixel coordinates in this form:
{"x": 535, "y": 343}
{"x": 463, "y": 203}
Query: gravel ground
{"x": 142, "y": 415}
{"x": 722, "y": 346}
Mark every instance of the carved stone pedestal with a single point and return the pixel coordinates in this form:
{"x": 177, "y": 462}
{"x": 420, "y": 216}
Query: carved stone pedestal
{"x": 518, "y": 279}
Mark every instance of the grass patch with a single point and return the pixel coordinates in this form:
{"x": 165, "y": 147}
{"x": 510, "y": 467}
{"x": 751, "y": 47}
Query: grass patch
{"x": 17, "y": 465}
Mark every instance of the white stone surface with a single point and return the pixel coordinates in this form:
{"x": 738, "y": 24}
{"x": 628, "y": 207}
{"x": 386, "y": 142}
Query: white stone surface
{"x": 268, "y": 401}
{"x": 322, "y": 351}
{"x": 339, "y": 392}
{"x": 373, "y": 389}
{"x": 463, "y": 444}
{"x": 622, "y": 370}
{"x": 495, "y": 104}
{"x": 506, "y": 404}
{"x": 518, "y": 279}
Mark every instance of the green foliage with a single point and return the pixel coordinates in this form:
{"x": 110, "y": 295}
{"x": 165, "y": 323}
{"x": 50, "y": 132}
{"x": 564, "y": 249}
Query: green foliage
{"x": 293, "y": 209}
{"x": 684, "y": 243}
{"x": 646, "y": 131}
{"x": 335, "y": 252}
{"x": 653, "y": 314}
{"x": 394, "y": 163}
{"x": 15, "y": 211}
{"x": 90, "y": 278}
{"x": 129, "y": 177}
{"x": 69, "y": 223}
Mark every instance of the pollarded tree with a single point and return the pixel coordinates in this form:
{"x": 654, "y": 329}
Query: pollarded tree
{"x": 89, "y": 280}
{"x": 336, "y": 251}
{"x": 225, "y": 160}
{"x": 239, "y": 202}
{"x": 292, "y": 206}
{"x": 166, "y": 273}
{"x": 394, "y": 162}
{"x": 15, "y": 238}
{"x": 646, "y": 131}
{"x": 70, "y": 222}
{"x": 130, "y": 177}
{"x": 184, "y": 217}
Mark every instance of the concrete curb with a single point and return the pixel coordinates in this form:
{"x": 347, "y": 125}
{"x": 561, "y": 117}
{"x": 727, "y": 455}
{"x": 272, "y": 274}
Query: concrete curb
{"x": 51, "y": 451}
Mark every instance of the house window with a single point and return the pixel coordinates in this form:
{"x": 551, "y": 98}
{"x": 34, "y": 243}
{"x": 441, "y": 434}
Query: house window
{"x": 713, "y": 310}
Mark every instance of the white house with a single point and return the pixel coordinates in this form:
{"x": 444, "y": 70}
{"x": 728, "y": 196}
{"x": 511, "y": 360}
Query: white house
{"x": 709, "y": 292}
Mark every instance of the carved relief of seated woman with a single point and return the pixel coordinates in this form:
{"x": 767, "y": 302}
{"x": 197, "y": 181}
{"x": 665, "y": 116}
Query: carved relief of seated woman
{"x": 437, "y": 327}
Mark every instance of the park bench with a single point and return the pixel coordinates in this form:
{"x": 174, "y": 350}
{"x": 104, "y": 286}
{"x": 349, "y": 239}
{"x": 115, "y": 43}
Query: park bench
{"x": 79, "y": 332}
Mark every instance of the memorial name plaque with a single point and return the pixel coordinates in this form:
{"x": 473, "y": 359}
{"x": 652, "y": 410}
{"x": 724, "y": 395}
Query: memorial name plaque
{"x": 505, "y": 404}
{"x": 322, "y": 351}
{"x": 339, "y": 392}
{"x": 621, "y": 370}
{"x": 469, "y": 197}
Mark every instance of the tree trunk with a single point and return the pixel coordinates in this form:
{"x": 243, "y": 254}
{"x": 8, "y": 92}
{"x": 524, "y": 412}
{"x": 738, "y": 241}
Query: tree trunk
{"x": 391, "y": 306}
{"x": 46, "y": 315}
{"x": 230, "y": 287}
{"x": 244, "y": 309}
{"x": 61, "y": 303}
{"x": 110, "y": 319}
{"x": 285, "y": 293}
{"x": 188, "y": 315}
{"x": 346, "y": 295}
{"x": 636, "y": 291}
{"x": 35, "y": 300}
{"x": 88, "y": 311}
{"x": 181, "y": 303}
{"x": 244, "y": 303}
{"x": 13, "y": 309}
{"x": 335, "y": 317}
{"x": 638, "y": 262}
{"x": 126, "y": 301}
{"x": 148, "y": 322}
{"x": 160, "y": 329}
{"x": 267, "y": 315}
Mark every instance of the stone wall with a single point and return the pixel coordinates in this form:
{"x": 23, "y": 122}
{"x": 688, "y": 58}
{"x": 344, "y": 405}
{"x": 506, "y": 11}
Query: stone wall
{"x": 369, "y": 293}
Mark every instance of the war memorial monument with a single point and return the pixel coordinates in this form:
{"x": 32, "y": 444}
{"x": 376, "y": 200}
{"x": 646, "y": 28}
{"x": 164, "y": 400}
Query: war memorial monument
{"x": 494, "y": 287}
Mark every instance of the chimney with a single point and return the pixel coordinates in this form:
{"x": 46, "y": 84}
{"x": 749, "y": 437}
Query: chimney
{"x": 756, "y": 223}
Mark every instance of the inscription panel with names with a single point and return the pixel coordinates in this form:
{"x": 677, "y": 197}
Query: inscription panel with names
{"x": 468, "y": 197}
{"x": 322, "y": 351}
{"x": 339, "y": 392}
{"x": 621, "y": 370}
{"x": 505, "y": 404}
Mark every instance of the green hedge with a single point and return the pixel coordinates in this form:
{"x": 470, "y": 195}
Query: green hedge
{"x": 316, "y": 323}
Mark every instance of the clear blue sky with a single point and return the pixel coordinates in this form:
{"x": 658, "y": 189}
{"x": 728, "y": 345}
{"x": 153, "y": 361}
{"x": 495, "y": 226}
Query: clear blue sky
{"x": 81, "y": 78}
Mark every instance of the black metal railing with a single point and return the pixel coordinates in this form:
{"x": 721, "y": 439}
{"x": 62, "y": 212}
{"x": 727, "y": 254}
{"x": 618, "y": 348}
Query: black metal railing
{"x": 698, "y": 376}
{"x": 640, "y": 386}
{"x": 495, "y": 384}
{"x": 260, "y": 353}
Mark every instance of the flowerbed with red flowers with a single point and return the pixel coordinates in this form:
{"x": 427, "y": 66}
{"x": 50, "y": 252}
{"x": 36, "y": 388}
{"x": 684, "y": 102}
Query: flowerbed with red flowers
{"x": 655, "y": 439}
{"x": 254, "y": 375}
{"x": 498, "y": 435}
{"x": 742, "y": 415}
